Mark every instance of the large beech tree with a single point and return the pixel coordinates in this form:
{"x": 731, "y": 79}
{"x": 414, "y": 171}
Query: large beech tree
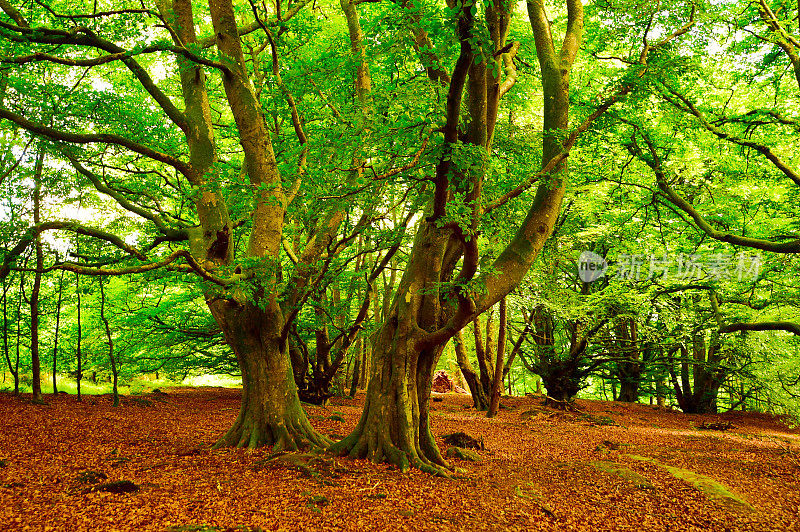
{"x": 244, "y": 286}
{"x": 439, "y": 292}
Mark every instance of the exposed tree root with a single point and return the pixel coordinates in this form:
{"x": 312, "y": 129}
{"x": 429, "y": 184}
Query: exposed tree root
{"x": 377, "y": 447}
{"x": 283, "y": 433}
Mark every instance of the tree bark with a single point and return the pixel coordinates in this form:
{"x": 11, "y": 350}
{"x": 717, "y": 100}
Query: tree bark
{"x": 482, "y": 353}
{"x": 500, "y": 363}
{"x": 36, "y": 366}
{"x": 55, "y": 333}
{"x": 78, "y": 353}
{"x": 629, "y": 368}
{"x": 479, "y": 399}
{"x": 395, "y": 423}
{"x": 109, "y": 343}
{"x": 270, "y": 413}
{"x": 6, "y": 351}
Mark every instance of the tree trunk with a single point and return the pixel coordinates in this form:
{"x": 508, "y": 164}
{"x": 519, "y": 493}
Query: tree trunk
{"x": 356, "y": 370}
{"x": 79, "y": 376}
{"x": 482, "y": 354}
{"x": 629, "y": 368}
{"x": 55, "y": 334}
{"x": 21, "y": 295}
{"x": 6, "y": 352}
{"x": 109, "y": 343}
{"x": 423, "y": 317}
{"x": 36, "y": 366}
{"x": 394, "y": 425}
{"x": 499, "y": 363}
{"x": 270, "y": 412}
{"x": 479, "y": 399}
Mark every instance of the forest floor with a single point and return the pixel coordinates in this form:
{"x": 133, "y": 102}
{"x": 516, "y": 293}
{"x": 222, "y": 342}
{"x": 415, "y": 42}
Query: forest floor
{"x": 608, "y": 466}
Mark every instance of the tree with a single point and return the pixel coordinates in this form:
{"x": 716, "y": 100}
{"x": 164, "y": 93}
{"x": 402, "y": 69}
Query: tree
{"x": 433, "y": 302}
{"x": 154, "y": 171}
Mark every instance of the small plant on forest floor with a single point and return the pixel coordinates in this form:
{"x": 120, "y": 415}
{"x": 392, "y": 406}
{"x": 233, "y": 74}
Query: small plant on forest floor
{"x": 316, "y": 502}
{"x": 603, "y": 421}
{"x": 91, "y": 477}
{"x": 463, "y": 440}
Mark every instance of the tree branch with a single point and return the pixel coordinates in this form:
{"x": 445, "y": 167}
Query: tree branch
{"x": 86, "y": 138}
{"x": 787, "y": 326}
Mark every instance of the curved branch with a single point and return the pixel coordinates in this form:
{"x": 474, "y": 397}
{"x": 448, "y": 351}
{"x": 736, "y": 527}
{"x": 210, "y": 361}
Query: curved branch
{"x": 87, "y": 138}
{"x": 654, "y": 162}
{"x": 193, "y": 266}
{"x": 764, "y": 150}
{"x": 120, "y": 56}
{"x": 787, "y": 326}
{"x": 119, "y": 198}
{"x": 33, "y": 232}
{"x": 81, "y": 36}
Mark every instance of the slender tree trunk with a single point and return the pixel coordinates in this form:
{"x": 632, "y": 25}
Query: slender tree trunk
{"x": 356, "y": 371}
{"x": 19, "y": 327}
{"x": 36, "y": 366}
{"x": 6, "y": 351}
{"x": 55, "y": 334}
{"x": 109, "y": 343}
{"x": 483, "y": 354}
{"x": 500, "y": 363}
{"x": 78, "y": 347}
{"x": 479, "y": 400}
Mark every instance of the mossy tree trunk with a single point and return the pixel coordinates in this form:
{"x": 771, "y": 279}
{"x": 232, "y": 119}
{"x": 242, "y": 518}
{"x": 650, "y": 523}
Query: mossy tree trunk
{"x": 36, "y": 366}
{"x": 699, "y": 396}
{"x": 271, "y": 413}
{"x": 394, "y": 425}
{"x": 629, "y": 367}
{"x": 479, "y": 398}
{"x": 433, "y": 301}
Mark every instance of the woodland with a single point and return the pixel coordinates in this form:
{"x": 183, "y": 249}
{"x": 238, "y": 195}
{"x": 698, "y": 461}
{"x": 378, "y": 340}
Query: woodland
{"x": 410, "y": 264}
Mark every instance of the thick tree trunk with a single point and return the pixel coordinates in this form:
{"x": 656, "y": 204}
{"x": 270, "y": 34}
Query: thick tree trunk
{"x": 629, "y": 368}
{"x": 628, "y": 391}
{"x": 562, "y": 384}
{"x": 270, "y": 413}
{"x": 394, "y": 426}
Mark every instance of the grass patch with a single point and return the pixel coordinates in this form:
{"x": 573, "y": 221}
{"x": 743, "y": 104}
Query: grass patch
{"x": 712, "y": 489}
{"x": 621, "y": 471}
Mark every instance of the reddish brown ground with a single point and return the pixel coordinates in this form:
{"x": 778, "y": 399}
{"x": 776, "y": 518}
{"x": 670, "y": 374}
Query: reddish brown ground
{"x": 535, "y": 474}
